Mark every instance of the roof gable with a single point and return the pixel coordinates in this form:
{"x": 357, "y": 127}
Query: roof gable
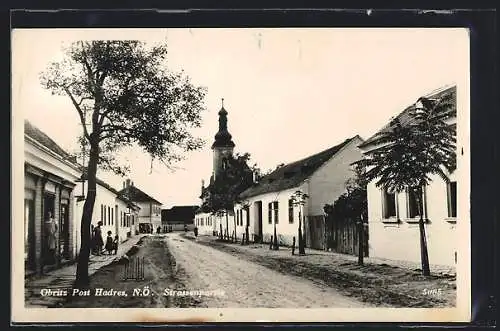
{"x": 42, "y": 138}
{"x": 292, "y": 174}
{"x": 405, "y": 118}
{"x": 137, "y": 195}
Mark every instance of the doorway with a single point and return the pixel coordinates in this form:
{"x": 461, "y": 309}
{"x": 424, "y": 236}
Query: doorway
{"x": 258, "y": 221}
{"x": 64, "y": 233}
{"x": 48, "y": 255}
{"x": 29, "y": 235}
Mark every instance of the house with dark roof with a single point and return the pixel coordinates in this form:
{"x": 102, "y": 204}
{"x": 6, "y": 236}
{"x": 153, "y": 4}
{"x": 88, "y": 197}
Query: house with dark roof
{"x": 393, "y": 216}
{"x": 50, "y": 179}
{"x": 178, "y": 216}
{"x": 268, "y": 201}
{"x": 149, "y": 217}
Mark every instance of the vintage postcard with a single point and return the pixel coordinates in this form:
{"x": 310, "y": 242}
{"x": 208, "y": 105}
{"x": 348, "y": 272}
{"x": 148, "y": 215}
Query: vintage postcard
{"x": 257, "y": 174}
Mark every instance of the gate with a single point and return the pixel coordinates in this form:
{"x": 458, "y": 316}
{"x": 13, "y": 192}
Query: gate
{"x": 315, "y": 232}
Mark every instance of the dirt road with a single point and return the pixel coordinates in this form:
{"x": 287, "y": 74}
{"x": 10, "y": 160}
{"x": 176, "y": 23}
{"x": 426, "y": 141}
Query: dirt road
{"x": 246, "y": 284}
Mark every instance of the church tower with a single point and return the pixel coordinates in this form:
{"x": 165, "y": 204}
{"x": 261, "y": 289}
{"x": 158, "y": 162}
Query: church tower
{"x": 223, "y": 145}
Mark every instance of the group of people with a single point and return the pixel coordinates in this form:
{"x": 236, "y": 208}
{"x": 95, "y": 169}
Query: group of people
{"x": 97, "y": 242}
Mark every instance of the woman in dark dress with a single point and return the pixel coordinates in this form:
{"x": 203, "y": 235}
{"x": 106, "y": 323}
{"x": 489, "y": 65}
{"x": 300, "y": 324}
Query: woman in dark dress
{"x": 99, "y": 242}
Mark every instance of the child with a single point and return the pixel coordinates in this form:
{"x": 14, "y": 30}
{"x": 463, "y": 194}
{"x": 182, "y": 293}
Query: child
{"x": 115, "y": 244}
{"x": 109, "y": 243}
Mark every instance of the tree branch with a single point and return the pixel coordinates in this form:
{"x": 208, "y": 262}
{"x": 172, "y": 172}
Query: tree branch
{"x": 80, "y": 112}
{"x": 90, "y": 72}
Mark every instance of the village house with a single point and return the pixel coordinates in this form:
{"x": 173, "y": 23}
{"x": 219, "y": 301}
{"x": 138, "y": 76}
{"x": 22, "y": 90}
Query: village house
{"x": 321, "y": 176}
{"x": 50, "y": 176}
{"x": 149, "y": 216}
{"x": 393, "y": 217}
{"x": 55, "y": 188}
{"x": 177, "y": 217}
{"x": 116, "y": 212}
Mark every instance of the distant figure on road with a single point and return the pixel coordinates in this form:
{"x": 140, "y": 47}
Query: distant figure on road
{"x": 109, "y": 243}
{"x": 158, "y": 230}
{"x": 195, "y": 231}
{"x": 185, "y": 228}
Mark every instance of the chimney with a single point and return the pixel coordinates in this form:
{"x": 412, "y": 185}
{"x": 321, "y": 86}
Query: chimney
{"x": 127, "y": 183}
{"x": 124, "y": 185}
{"x": 255, "y": 177}
{"x": 202, "y": 183}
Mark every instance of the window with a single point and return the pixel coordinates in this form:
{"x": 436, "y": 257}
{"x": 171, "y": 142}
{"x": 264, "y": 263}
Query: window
{"x": 270, "y": 212}
{"x": 102, "y": 212}
{"x": 112, "y": 216}
{"x": 109, "y": 215}
{"x": 241, "y": 217}
{"x": 237, "y": 217}
{"x": 452, "y": 199}
{"x": 290, "y": 211}
{"x": 388, "y": 204}
{"x": 276, "y": 214}
{"x": 104, "y": 218}
{"x": 413, "y": 208}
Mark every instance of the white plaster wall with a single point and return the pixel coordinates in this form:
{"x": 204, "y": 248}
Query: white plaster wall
{"x": 148, "y": 215}
{"x": 205, "y": 229}
{"x": 285, "y": 230}
{"x": 400, "y": 241}
{"x": 328, "y": 182}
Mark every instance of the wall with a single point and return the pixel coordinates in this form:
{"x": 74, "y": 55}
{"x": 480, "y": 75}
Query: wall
{"x": 328, "y": 182}
{"x": 285, "y": 230}
{"x": 210, "y": 223}
{"x": 150, "y": 213}
{"x": 400, "y": 241}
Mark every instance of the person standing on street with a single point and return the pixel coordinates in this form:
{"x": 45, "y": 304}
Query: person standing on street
{"x": 99, "y": 242}
{"x": 51, "y": 227}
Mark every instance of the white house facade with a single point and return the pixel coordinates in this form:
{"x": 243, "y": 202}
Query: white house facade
{"x": 149, "y": 213}
{"x": 50, "y": 176}
{"x": 393, "y": 217}
{"x": 268, "y": 202}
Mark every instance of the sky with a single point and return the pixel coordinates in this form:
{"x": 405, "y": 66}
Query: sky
{"x": 289, "y": 92}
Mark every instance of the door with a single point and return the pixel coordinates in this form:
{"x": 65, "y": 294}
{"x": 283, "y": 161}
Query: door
{"x": 258, "y": 215}
{"x": 64, "y": 226}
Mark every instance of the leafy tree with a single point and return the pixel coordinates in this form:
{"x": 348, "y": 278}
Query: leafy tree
{"x": 353, "y": 206}
{"x": 124, "y": 95}
{"x": 411, "y": 152}
{"x": 223, "y": 193}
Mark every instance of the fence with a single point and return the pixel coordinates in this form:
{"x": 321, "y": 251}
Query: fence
{"x": 315, "y": 232}
{"x": 344, "y": 236}
{"x": 133, "y": 269}
{"x": 339, "y": 235}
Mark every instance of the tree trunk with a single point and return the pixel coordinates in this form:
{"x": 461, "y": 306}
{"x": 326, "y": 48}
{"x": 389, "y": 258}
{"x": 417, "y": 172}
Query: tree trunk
{"x": 227, "y": 226}
{"x": 275, "y": 240}
{"x": 221, "y": 234}
{"x": 82, "y": 270}
{"x": 302, "y": 250}
{"x": 424, "y": 255}
{"x": 247, "y": 241}
{"x": 361, "y": 241}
